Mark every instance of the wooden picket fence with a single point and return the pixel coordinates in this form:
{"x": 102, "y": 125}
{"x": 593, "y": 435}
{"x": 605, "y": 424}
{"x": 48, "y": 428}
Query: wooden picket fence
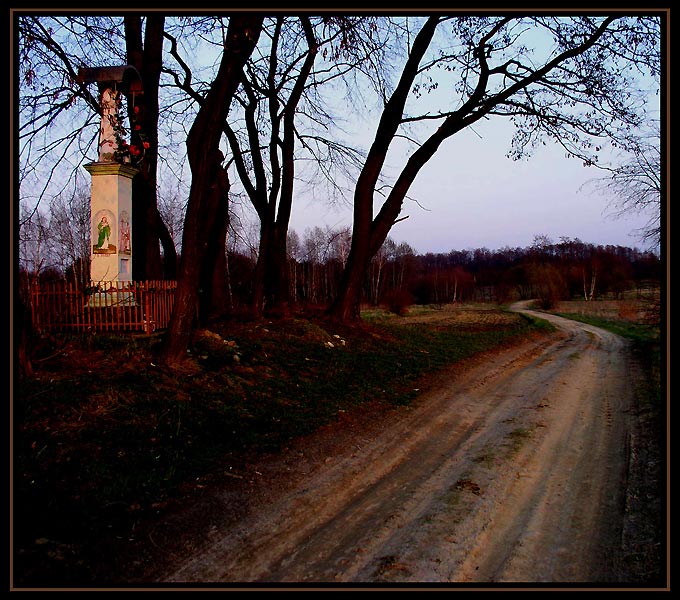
{"x": 143, "y": 306}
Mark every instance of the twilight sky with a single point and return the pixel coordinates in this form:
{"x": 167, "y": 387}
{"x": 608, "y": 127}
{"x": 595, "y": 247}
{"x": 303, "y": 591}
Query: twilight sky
{"x": 471, "y": 195}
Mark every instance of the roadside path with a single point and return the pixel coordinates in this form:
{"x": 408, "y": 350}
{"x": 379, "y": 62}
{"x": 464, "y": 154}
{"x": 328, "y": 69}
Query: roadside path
{"x": 511, "y": 471}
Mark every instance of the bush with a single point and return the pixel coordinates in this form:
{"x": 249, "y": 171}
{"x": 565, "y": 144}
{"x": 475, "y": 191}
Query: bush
{"x": 549, "y": 284}
{"x": 398, "y": 302}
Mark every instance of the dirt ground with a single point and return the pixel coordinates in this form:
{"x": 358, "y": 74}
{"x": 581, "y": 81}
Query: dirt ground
{"x": 512, "y": 468}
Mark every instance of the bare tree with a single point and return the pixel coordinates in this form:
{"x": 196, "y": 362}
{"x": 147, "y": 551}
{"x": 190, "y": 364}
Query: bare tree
{"x": 314, "y": 253}
{"x": 209, "y": 184}
{"x": 403, "y": 257}
{"x": 70, "y": 233}
{"x": 49, "y": 95}
{"x": 281, "y": 111}
{"x": 574, "y": 93}
{"x": 144, "y": 51}
{"x": 340, "y": 241}
{"x": 376, "y": 272}
{"x": 34, "y": 240}
{"x": 272, "y": 198}
{"x": 635, "y": 186}
{"x": 171, "y": 206}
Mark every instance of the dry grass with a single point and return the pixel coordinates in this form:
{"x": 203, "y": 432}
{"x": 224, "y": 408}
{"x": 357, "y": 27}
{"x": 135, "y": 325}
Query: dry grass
{"x": 634, "y": 310}
{"x": 459, "y": 316}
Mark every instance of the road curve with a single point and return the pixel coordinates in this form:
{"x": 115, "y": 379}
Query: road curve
{"x": 511, "y": 471}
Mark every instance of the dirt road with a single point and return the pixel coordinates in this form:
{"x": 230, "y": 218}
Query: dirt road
{"x": 511, "y": 471}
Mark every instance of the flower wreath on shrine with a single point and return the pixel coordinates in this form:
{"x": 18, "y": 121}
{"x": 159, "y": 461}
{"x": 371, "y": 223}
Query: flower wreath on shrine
{"x": 128, "y": 152}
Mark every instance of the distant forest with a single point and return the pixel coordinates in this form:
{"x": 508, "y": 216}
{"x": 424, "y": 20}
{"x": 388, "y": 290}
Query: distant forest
{"x": 399, "y": 276}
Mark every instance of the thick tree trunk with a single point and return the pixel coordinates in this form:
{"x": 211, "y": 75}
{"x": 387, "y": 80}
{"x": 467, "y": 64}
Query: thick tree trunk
{"x": 272, "y": 289}
{"x": 346, "y": 307}
{"x": 145, "y": 248}
{"x": 207, "y": 183}
{"x": 143, "y": 111}
{"x": 213, "y": 296}
{"x": 277, "y": 290}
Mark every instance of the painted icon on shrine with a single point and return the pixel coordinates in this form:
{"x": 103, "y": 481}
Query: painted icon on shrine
{"x": 124, "y": 230}
{"x": 104, "y": 233}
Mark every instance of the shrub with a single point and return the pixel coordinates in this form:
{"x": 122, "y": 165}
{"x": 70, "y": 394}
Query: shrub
{"x": 549, "y": 284}
{"x": 398, "y": 302}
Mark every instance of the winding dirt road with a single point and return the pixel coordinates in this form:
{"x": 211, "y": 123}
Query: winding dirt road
{"x": 511, "y": 471}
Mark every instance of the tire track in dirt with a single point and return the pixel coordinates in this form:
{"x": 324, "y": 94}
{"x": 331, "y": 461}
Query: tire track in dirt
{"x": 513, "y": 471}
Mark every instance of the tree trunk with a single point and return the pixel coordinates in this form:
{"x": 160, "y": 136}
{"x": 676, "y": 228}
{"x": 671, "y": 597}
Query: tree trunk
{"x": 207, "y": 184}
{"x": 272, "y": 285}
{"x": 592, "y": 284}
{"x": 147, "y": 262}
{"x": 346, "y": 306}
{"x": 275, "y": 270}
{"x": 23, "y": 328}
{"x": 213, "y": 297}
{"x": 260, "y": 266}
{"x": 143, "y": 111}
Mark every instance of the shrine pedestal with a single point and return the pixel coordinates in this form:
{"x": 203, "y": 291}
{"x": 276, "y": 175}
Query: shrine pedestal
{"x": 111, "y": 204}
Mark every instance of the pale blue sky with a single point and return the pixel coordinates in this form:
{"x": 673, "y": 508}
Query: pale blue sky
{"x": 473, "y": 196}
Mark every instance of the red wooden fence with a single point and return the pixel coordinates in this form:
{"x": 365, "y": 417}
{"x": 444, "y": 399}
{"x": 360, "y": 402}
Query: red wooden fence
{"x": 103, "y": 306}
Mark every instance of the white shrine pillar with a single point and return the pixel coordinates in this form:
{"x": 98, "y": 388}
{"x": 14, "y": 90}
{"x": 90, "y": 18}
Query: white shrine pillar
{"x": 112, "y": 174}
{"x": 111, "y": 205}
